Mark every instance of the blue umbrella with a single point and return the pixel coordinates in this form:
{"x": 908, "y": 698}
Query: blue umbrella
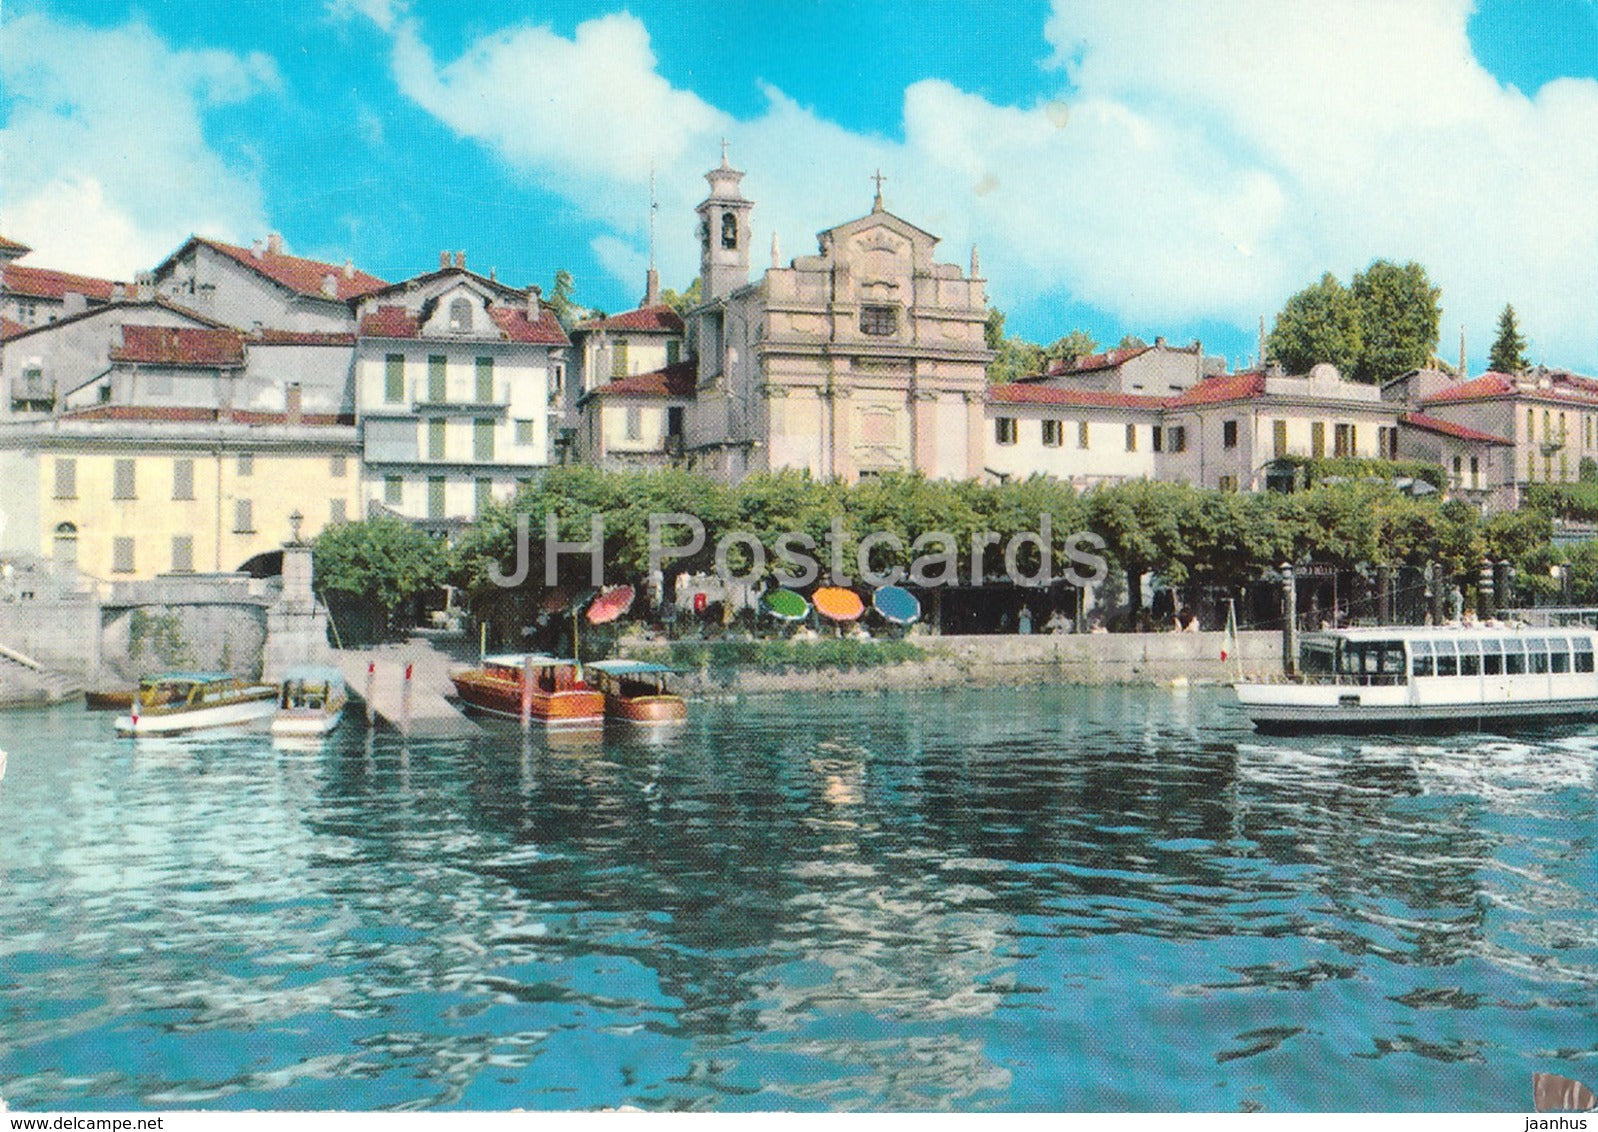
{"x": 897, "y": 604}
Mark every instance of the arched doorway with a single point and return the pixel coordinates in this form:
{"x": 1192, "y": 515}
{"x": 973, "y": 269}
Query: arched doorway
{"x": 64, "y": 551}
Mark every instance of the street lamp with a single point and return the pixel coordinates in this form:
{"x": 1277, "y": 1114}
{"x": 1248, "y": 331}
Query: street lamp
{"x": 295, "y": 519}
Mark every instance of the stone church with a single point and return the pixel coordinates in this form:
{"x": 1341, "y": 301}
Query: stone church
{"x": 864, "y": 358}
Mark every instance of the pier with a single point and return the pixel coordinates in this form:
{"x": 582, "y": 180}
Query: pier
{"x": 416, "y": 707}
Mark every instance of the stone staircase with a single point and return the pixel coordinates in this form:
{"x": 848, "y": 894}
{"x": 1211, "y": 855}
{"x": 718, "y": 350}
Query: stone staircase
{"x": 25, "y": 682}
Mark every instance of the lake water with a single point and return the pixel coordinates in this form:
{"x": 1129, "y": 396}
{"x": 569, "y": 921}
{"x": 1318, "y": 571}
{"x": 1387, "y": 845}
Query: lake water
{"x": 1032, "y": 899}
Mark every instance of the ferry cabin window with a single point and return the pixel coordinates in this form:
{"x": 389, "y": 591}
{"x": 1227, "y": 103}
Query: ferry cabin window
{"x": 1315, "y": 660}
{"x": 1447, "y": 658}
{"x": 1420, "y": 658}
{"x": 1514, "y": 657}
{"x": 1537, "y": 656}
{"x": 1470, "y": 657}
{"x": 1559, "y": 655}
{"x": 1492, "y": 658}
{"x": 1379, "y": 661}
{"x": 1584, "y": 654}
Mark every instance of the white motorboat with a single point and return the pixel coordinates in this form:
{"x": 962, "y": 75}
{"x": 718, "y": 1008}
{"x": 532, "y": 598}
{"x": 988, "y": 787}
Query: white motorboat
{"x": 1423, "y": 676}
{"x": 176, "y": 702}
{"x": 310, "y": 701}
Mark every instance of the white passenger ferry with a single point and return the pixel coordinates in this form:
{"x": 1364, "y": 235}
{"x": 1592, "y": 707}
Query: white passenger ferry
{"x": 1395, "y": 678}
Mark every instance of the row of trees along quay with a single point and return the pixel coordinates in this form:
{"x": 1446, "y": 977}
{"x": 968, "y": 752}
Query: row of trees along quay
{"x": 1363, "y": 548}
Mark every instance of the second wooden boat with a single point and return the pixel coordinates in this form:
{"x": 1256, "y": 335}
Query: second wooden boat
{"x": 558, "y": 695}
{"x": 636, "y": 692}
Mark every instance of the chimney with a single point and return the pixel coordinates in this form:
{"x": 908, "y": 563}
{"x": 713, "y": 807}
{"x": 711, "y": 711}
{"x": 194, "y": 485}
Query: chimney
{"x": 1159, "y": 343}
{"x": 652, "y": 288}
{"x": 256, "y": 249}
{"x": 460, "y": 260}
{"x": 274, "y": 243}
{"x": 144, "y": 286}
{"x": 330, "y": 285}
{"x": 349, "y": 269}
{"x": 493, "y": 275}
{"x": 119, "y": 293}
{"x": 976, "y": 264}
{"x": 776, "y": 251}
{"x": 291, "y": 404}
{"x": 443, "y": 261}
{"x": 533, "y": 303}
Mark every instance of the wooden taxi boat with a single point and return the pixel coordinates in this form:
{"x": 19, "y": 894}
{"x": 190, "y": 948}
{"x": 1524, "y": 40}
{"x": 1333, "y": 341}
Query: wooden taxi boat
{"x": 310, "y": 702}
{"x": 559, "y": 696}
{"x": 176, "y": 702}
{"x": 635, "y": 692}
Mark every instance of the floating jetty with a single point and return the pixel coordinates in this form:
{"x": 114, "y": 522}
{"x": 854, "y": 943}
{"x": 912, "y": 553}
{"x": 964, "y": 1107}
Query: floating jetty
{"x": 405, "y": 685}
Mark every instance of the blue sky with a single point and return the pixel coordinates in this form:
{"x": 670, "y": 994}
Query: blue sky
{"x": 1124, "y": 167}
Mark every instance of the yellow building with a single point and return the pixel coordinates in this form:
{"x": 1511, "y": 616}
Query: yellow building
{"x": 126, "y": 492}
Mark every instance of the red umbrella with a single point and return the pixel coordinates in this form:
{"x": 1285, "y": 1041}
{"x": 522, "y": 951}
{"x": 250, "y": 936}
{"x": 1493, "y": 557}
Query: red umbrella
{"x": 610, "y": 605}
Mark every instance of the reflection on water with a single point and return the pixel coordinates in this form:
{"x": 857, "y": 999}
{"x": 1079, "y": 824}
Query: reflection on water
{"x": 1052, "y": 898}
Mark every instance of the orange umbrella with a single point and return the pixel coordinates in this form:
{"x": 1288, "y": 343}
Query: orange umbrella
{"x": 610, "y": 605}
{"x": 838, "y": 604}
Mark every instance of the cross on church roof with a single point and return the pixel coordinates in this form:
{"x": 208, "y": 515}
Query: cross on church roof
{"x": 876, "y": 205}
{"x": 724, "y": 153}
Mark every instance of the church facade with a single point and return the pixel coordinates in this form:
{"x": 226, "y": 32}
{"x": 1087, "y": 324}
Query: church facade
{"x": 866, "y": 357}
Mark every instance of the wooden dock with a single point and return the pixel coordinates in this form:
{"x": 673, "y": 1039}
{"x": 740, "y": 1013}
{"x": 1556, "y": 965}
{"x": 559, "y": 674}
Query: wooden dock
{"x": 416, "y": 707}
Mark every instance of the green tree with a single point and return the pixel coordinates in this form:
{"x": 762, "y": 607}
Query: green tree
{"x": 560, "y": 299}
{"x": 1398, "y": 318}
{"x": 1321, "y": 323}
{"x": 683, "y": 302}
{"x": 1130, "y": 342}
{"x": 1013, "y": 358}
{"x": 1508, "y": 354}
{"x": 1077, "y": 344}
{"x": 382, "y": 563}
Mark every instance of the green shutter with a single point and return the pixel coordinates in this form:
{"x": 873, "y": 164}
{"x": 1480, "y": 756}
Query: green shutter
{"x": 435, "y": 439}
{"x": 435, "y": 497}
{"x": 485, "y": 380}
{"x": 435, "y": 378}
{"x": 618, "y": 360}
{"x": 483, "y": 440}
{"x": 394, "y": 379}
{"x": 673, "y": 351}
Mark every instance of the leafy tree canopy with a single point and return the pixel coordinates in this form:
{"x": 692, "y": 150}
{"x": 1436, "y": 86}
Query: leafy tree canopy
{"x": 1398, "y": 317}
{"x": 684, "y": 301}
{"x": 1319, "y": 324}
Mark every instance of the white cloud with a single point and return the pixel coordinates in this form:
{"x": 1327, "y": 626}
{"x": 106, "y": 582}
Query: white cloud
{"x": 106, "y": 167}
{"x": 386, "y": 14}
{"x": 1197, "y": 161}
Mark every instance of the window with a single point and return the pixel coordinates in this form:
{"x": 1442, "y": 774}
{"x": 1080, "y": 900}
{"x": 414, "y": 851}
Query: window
{"x": 1176, "y": 438}
{"x": 435, "y": 497}
{"x": 1081, "y": 434}
{"x": 729, "y": 230}
{"x": 1131, "y": 438}
{"x": 435, "y": 439}
{"x": 879, "y": 322}
{"x": 1158, "y": 434}
{"x": 1053, "y": 434}
{"x": 1584, "y": 654}
{"x": 437, "y": 378}
{"x": 1387, "y": 441}
{"x": 485, "y": 494}
{"x": 1514, "y": 657}
{"x": 1227, "y": 483}
{"x": 674, "y": 419}
{"x": 1343, "y": 438}
{"x": 1004, "y": 430}
{"x": 1537, "y": 656}
{"x": 1458, "y": 470}
{"x": 1447, "y": 658}
{"x": 460, "y": 315}
{"x": 246, "y": 463}
{"x": 1475, "y": 471}
{"x": 336, "y": 467}
{"x": 243, "y": 517}
{"x": 1470, "y": 657}
{"x": 1559, "y": 655}
{"x": 394, "y": 378}
{"x": 673, "y": 351}
{"x": 182, "y": 554}
{"x": 619, "y": 360}
{"x": 1317, "y": 439}
{"x": 1531, "y": 424}
{"x": 66, "y": 477}
{"x": 485, "y": 380}
{"x": 1492, "y": 658}
{"x": 1228, "y": 434}
{"x": 635, "y": 422}
{"x": 524, "y": 432}
{"x": 393, "y": 490}
{"x": 1420, "y": 658}
{"x": 122, "y": 555}
{"x": 65, "y": 547}
{"x": 1279, "y": 438}
{"x": 336, "y": 511}
{"x": 182, "y": 479}
{"x": 483, "y": 439}
{"x": 122, "y": 481}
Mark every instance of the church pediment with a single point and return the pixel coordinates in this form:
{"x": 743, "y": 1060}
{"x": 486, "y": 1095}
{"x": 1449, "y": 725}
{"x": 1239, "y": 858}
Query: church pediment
{"x": 879, "y": 226}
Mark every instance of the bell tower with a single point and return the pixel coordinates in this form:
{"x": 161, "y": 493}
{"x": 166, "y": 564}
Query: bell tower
{"x": 724, "y": 232}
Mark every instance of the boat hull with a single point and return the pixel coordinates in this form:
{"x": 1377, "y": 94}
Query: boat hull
{"x": 647, "y": 711}
{"x": 576, "y": 707}
{"x": 251, "y": 708}
{"x": 1354, "y": 709}
{"x": 305, "y": 722}
{"x": 108, "y": 701}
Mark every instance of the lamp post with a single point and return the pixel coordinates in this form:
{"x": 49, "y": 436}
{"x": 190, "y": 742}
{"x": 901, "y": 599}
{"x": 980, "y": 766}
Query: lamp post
{"x": 1289, "y": 620}
{"x": 295, "y": 519}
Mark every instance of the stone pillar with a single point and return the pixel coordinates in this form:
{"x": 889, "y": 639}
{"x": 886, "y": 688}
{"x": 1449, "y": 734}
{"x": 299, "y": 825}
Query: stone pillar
{"x": 1289, "y": 620}
{"x": 842, "y": 442}
{"x": 975, "y": 421}
{"x": 296, "y": 627}
{"x": 924, "y": 406}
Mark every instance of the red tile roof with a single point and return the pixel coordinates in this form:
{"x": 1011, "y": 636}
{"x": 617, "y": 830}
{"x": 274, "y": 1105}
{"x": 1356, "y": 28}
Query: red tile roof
{"x": 1091, "y": 363}
{"x": 390, "y": 322}
{"x": 298, "y": 274}
{"x": 1222, "y": 387}
{"x": 301, "y": 338}
{"x": 9, "y": 329}
{"x": 179, "y": 346}
{"x": 182, "y": 414}
{"x": 1033, "y": 394}
{"x": 1449, "y": 428}
{"x": 659, "y": 319}
{"x": 45, "y": 283}
{"x": 1566, "y": 388}
{"x": 677, "y": 380}
{"x": 13, "y": 248}
{"x": 517, "y": 327}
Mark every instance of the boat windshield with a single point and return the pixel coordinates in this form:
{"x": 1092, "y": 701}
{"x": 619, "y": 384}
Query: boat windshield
{"x": 1354, "y": 662}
